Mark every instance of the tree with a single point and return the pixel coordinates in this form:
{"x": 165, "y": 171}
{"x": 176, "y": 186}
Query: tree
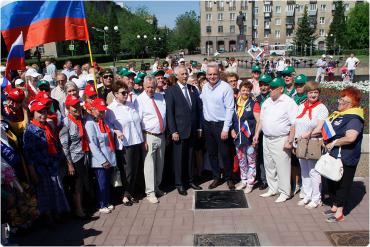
{"x": 357, "y": 27}
{"x": 305, "y": 34}
{"x": 187, "y": 32}
{"x": 337, "y": 33}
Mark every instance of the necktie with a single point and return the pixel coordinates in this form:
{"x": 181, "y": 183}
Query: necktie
{"x": 186, "y": 95}
{"x": 160, "y": 119}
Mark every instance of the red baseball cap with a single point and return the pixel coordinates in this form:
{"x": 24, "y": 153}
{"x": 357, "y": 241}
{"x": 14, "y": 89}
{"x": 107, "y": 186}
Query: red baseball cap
{"x": 37, "y": 106}
{"x": 16, "y": 94}
{"x": 99, "y": 104}
{"x": 72, "y": 100}
{"x": 44, "y": 98}
{"x": 90, "y": 90}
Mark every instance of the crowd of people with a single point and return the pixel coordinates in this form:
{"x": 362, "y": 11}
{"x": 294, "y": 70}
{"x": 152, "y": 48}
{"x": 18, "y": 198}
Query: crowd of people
{"x": 66, "y": 140}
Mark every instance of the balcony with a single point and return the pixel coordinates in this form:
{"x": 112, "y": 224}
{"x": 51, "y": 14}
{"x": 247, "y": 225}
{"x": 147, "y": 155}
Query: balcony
{"x": 208, "y": 9}
{"x": 313, "y": 1}
{"x": 243, "y": 8}
{"x": 233, "y": 8}
{"x": 267, "y": 14}
{"x": 290, "y": 26}
{"x": 267, "y": 2}
{"x": 312, "y": 12}
{"x": 267, "y": 26}
{"x": 290, "y": 12}
{"x": 220, "y": 8}
{"x": 290, "y": 2}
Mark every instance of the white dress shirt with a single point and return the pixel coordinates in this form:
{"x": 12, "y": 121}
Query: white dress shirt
{"x": 351, "y": 62}
{"x": 69, "y": 73}
{"x": 277, "y": 116}
{"x": 126, "y": 119}
{"x": 147, "y": 113}
{"x": 184, "y": 90}
{"x": 218, "y": 103}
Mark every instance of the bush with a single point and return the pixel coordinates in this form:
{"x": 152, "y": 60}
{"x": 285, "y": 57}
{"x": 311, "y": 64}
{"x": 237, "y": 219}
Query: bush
{"x": 355, "y": 51}
{"x": 59, "y": 61}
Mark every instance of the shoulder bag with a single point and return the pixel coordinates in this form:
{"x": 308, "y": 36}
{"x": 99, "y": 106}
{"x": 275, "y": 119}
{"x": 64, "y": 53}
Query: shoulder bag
{"x": 309, "y": 149}
{"x": 330, "y": 167}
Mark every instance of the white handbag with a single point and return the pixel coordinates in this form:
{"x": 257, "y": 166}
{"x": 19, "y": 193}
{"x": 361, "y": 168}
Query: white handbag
{"x": 330, "y": 167}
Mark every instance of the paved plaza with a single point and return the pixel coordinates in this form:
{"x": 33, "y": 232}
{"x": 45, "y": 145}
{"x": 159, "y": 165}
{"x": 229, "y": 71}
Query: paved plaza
{"x": 174, "y": 222}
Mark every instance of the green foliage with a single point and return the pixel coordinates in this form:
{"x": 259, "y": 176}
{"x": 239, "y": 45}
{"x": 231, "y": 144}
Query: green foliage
{"x": 59, "y": 61}
{"x": 187, "y": 32}
{"x": 305, "y": 34}
{"x": 357, "y": 27}
{"x": 337, "y": 33}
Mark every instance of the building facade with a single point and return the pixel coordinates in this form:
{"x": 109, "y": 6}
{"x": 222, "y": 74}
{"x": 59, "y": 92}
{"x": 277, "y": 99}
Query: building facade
{"x": 266, "y": 22}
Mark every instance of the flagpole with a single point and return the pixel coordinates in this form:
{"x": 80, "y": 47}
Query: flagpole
{"x": 89, "y": 46}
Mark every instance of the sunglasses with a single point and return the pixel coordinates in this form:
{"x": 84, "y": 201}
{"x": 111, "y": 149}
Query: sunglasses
{"x": 107, "y": 76}
{"x": 287, "y": 75}
{"x": 123, "y": 93}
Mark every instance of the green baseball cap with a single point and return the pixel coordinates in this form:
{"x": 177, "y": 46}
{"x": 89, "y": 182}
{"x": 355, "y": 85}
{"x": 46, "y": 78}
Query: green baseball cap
{"x": 277, "y": 82}
{"x": 42, "y": 83}
{"x": 141, "y": 74}
{"x": 288, "y": 70}
{"x": 159, "y": 72}
{"x": 138, "y": 80}
{"x": 126, "y": 72}
{"x": 194, "y": 63}
{"x": 256, "y": 68}
{"x": 300, "y": 79}
{"x": 265, "y": 78}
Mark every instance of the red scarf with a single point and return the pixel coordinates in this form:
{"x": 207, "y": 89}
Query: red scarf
{"x": 104, "y": 128}
{"x": 309, "y": 108}
{"x": 51, "y": 138}
{"x": 83, "y": 134}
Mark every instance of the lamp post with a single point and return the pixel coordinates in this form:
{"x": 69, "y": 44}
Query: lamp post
{"x": 142, "y": 39}
{"x": 157, "y": 40}
{"x": 331, "y": 35}
{"x": 115, "y": 30}
{"x": 104, "y": 30}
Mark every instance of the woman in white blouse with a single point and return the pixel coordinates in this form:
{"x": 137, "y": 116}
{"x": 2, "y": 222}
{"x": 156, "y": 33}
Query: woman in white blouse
{"x": 129, "y": 138}
{"x": 310, "y": 119}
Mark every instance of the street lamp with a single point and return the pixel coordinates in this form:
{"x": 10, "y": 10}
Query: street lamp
{"x": 104, "y": 30}
{"x": 331, "y": 35}
{"x": 144, "y": 37}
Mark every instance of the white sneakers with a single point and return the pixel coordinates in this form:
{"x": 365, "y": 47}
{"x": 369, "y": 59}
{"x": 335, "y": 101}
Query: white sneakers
{"x": 152, "y": 199}
{"x": 268, "y": 194}
{"x": 104, "y": 210}
{"x": 110, "y": 207}
{"x": 282, "y": 198}
{"x": 248, "y": 189}
{"x": 302, "y": 202}
{"x": 240, "y": 186}
{"x": 312, "y": 205}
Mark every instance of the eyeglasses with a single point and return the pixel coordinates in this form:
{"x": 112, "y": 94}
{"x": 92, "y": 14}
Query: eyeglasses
{"x": 61, "y": 81}
{"x": 344, "y": 101}
{"x": 124, "y": 93}
{"x": 287, "y": 75}
{"x": 106, "y": 76}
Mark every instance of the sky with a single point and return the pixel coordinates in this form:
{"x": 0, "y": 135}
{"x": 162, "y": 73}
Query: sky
{"x": 165, "y": 11}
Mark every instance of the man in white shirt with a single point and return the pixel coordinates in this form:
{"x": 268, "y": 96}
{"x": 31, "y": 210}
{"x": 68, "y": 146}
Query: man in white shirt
{"x": 68, "y": 71}
{"x": 151, "y": 107}
{"x": 277, "y": 123}
{"x": 59, "y": 93}
{"x": 280, "y": 66}
{"x": 352, "y": 62}
{"x": 321, "y": 65}
{"x": 233, "y": 66}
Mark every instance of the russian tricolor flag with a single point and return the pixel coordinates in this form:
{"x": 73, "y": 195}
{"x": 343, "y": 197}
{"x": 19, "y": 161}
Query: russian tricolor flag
{"x": 16, "y": 58}
{"x": 42, "y": 22}
{"x": 327, "y": 130}
{"x": 245, "y": 129}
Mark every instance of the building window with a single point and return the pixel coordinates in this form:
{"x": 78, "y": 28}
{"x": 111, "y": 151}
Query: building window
{"x": 41, "y": 49}
{"x": 322, "y": 20}
{"x": 255, "y": 34}
{"x": 208, "y": 4}
{"x": 267, "y": 24}
{"x": 255, "y": 22}
{"x": 268, "y": 8}
{"x": 255, "y": 10}
{"x": 277, "y": 33}
{"x": 301, "y": 8}
{"x": 209, "y": 29}
{"x": 220, "y": 16}
{"x": 232, "y": 16}
{"x": 290, "y": 7}
{"x": 323, "y": 7}
{"x": 221, "y": 4}
{"x": 243, "y": 5}
{"x": 313, "y": 6}
{"x": 322, "y": 32}
{"x": 209, "y": 17}
{"x": 220, "y": 29}
{"x": 266, "y": 34}
{"x": 346, "y": 7}
{"x": 278, "y": 9}
{"x": 232, "y": 29}
{"x": 277, "y": 21}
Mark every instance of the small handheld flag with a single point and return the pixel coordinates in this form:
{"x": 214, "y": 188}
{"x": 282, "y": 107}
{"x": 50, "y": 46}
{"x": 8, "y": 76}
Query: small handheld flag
{"x": 245, "y": 129}
{"x": 16, "y": 58}
{"x": 327, "y": 130}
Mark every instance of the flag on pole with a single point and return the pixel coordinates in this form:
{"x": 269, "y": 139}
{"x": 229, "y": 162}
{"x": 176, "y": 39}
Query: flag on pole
{"x": 42, "y": 22}
{"x": 327, "y": 130}
{"x": 16, "y": 58}
{"x": 6, "y": 86}
{"x": 245, "y": 129}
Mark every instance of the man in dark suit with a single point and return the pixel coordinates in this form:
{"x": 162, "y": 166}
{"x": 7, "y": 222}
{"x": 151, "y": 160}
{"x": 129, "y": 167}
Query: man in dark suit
{"x": 183, "y": 111}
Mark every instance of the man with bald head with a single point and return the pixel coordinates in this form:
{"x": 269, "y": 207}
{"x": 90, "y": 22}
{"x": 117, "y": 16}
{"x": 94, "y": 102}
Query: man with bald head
{"x": 183, "y": 113}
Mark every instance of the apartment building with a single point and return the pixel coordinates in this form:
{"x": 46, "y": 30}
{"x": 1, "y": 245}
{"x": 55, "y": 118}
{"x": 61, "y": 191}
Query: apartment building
{"x": 267, "y": 22}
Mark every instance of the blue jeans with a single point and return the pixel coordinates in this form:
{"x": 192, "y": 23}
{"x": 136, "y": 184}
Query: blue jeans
{"x": 351, "y": 74}
{"x": 103, "y": 177}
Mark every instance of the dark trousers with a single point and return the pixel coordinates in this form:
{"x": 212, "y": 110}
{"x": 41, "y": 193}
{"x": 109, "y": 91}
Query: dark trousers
{"x": 261, "y": 172}
{"x": 340, "y": 190}
{"x": 183, "y": 159}
{"x": 103, "y": 177}
{"x": 128, "y": 162}
{"x": 216, "y": 146}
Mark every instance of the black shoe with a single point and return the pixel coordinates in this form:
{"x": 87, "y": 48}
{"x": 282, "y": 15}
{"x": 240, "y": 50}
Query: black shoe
{"x": 231, "y": 185}
{"x": 214, "y": 184}
{"x": 182, "y": 191}
{"x": 263, "y": 186}
{"x": 195, "y": 187}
